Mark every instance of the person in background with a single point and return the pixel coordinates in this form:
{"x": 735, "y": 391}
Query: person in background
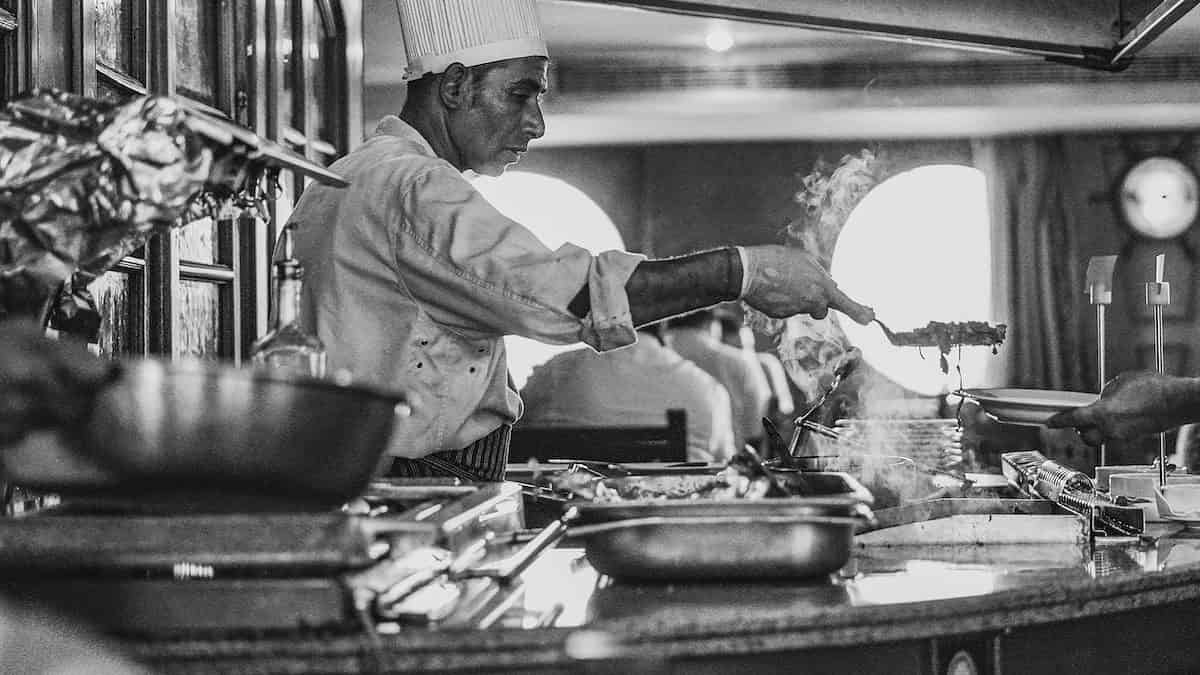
{"x": 697, "y": 338}
{"x": 735, "y": 333}
{"x": 412, "y": 279}
{"x": 632, "y": 386}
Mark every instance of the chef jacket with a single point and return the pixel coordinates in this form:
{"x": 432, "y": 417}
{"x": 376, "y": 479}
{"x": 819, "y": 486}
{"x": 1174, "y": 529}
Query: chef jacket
{"x": 412, "y": 279}
{"x": 634, "y": 386}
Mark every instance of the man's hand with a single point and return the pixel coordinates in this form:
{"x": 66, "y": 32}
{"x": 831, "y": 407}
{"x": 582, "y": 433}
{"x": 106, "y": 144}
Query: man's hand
{"x": 781, "y": 281}
{"x": 1132, "y": 405}
{"x": 44, "y": 382}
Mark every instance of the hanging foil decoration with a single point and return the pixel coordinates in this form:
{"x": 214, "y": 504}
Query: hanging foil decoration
{"x": 84, "y": 183}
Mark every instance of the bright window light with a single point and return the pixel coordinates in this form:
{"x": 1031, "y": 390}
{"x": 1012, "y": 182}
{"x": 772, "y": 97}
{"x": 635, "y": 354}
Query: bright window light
{"x": 719, "y": 39}
{"x": 557, "y": 213}
{"x": 917, "y": 249}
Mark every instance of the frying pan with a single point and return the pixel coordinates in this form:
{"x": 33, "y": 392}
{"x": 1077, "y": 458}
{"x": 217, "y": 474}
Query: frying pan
{"x": 207, "y": 435}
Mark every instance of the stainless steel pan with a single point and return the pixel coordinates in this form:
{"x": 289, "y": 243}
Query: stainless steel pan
{"x": 719, "y": 547}
{"x": 666, "y": 539}
{"x": 602, "y": 512}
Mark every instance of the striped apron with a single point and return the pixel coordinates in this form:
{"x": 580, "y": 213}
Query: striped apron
{"x": 483, "y": 460}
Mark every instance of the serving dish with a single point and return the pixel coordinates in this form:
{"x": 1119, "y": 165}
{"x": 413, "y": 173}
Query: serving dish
{"x": 1026, "y": 406}
{"x": 719, "y": 547}
{"x": 721, "y": 538}
{"x": 1179, "y": 503}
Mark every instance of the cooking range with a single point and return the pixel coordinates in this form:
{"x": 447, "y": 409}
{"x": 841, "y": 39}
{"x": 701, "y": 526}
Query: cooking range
{"x": 435, "y": 551}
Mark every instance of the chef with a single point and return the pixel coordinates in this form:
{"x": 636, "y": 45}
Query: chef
{"x": 413, "y": 278}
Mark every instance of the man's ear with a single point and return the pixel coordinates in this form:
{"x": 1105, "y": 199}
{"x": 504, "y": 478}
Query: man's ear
{"x": 453, "y": 86}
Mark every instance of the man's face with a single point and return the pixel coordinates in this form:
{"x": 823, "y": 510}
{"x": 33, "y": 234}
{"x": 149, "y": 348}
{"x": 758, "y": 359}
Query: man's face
{"x": 502, "y": 115}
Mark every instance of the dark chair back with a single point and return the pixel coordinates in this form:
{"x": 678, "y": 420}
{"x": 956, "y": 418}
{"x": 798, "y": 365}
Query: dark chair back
{"x": 608, "y": 444}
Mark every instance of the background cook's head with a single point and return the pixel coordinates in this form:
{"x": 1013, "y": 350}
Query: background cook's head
{"x": 477, "y": 71}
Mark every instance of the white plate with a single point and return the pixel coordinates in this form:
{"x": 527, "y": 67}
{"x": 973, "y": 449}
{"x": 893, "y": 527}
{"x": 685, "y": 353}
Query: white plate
{"x": 1026, "y": 406}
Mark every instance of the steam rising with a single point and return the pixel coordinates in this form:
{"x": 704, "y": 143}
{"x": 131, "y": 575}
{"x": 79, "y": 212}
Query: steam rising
{"x": 812, "y": 348}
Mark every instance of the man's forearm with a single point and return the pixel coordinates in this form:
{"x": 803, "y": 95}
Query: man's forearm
{"x": 668, "y": 287}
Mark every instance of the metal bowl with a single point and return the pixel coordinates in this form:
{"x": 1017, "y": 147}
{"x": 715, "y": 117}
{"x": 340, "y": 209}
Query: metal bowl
{"x": 218, "y": 434}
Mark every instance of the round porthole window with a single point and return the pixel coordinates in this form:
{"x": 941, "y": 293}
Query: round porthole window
{"x": 1159, "y": 197}
{"x": 557, "y": 212}
{"x": 917, "y": 248}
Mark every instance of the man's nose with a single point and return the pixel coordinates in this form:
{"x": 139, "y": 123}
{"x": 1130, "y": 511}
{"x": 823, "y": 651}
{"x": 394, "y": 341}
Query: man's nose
{"x": 535, "y": 122}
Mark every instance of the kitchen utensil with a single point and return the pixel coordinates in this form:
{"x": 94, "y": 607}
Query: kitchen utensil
{"x": 844, "y": 504}
{"x": 887, "y": 332}
{"x": 778, "y": 447}
{"x": 751, "y": 465}
{"x": 822, "y": 430}
{"x": 597, "y": 466}
{"x": 1026, "y": 406}
{"x": 779, "y": 450}
{"x": 508, "y": 569}
{"x": 205, "y": 434}
{"x": 845, "y": 367}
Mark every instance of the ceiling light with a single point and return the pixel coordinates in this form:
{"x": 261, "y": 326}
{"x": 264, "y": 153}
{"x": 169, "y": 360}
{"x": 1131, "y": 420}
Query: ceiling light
{"x": 719, "y": 39}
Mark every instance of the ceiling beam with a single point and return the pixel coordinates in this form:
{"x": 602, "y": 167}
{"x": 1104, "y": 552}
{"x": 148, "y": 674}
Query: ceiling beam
{"x": 1083, "y": 33}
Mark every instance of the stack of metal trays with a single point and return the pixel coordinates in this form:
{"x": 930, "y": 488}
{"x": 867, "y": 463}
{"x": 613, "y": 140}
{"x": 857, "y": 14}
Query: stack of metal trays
{"x": 932, "y": 442}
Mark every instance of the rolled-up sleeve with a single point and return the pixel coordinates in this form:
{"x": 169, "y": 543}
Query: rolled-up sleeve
{"x": 482, "y": 274}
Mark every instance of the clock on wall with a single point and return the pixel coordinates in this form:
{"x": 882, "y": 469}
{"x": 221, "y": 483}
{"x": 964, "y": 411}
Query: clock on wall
{"x": 1159, "y": 197}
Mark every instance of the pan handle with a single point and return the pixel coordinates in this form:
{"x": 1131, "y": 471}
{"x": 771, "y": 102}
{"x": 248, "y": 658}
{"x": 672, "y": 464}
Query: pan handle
{"x": 509, "y": 568}
{"x": 627, "y": 523}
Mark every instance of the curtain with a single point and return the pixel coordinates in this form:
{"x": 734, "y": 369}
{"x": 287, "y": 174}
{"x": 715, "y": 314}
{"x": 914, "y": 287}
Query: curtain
{"x": 1038, "y": 274}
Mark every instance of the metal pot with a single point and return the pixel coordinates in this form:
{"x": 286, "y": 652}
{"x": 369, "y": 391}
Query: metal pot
{"x": 198, "y": 432}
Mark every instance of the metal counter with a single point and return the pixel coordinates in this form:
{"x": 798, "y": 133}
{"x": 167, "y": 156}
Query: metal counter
{"x": 1128, "y": 607}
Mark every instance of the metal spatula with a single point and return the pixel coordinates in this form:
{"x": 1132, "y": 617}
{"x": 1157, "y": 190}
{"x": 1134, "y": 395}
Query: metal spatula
{"x": 887, "y": 332}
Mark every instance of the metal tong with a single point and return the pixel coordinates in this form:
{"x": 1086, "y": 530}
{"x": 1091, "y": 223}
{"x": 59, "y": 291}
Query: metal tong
{"x": 849, "y": 361}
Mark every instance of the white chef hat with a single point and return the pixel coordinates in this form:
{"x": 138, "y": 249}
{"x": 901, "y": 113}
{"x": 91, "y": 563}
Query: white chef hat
{"x": 438, "y": 33}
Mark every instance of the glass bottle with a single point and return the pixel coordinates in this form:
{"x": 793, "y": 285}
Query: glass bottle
{"x": 288, "y": 348}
